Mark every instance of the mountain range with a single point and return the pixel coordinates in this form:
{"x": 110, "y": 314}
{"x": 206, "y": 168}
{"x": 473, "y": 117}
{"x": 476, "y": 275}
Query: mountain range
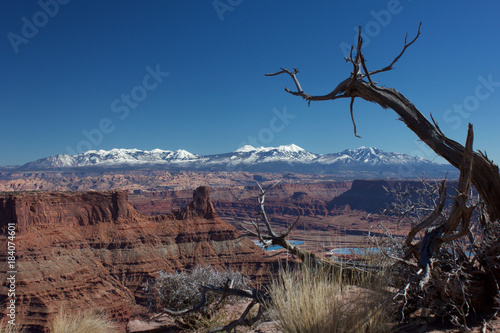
{"x": 362, "y": 162}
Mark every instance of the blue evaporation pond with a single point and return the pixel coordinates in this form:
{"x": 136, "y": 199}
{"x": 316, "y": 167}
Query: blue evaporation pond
{"x": 360, "y": 251}
{"x": 277, "y": 247}
{"x": 354, "y": 250}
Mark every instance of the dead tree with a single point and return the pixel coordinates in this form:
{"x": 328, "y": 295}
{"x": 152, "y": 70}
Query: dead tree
{"x": 269, "y": 237}
{"x": 476, "y": 169}
{"x": 440, "y": 279}
{"x": 485, "y": 176}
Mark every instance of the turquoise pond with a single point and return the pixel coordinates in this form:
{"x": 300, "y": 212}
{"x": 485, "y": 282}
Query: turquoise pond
{"x": 360, "y": 251}
{"x": 354, "y": 250}
{"x": 339, "y": 251}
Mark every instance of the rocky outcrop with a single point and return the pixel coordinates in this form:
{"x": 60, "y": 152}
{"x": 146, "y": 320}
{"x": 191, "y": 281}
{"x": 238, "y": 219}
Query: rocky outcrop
{"x": 373, "y": 196}
{"x": 93, "y": 250}
{"x": 200, "y": 207}
{"x": 39, "y": 208}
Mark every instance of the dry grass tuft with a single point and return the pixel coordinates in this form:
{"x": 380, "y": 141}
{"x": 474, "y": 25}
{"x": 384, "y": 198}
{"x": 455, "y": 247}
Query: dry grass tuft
{"x": 82, "y": 322}
{"x": 5, "y": 327}
{"x": 314, "y": 300}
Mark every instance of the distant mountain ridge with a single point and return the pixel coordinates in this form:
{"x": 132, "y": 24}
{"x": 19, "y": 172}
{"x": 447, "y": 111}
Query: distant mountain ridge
{"x": 365, "y": 161}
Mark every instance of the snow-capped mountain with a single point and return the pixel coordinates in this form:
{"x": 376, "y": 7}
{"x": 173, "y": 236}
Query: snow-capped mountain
{"x": 361, "y": 162}
{"x": 249, "y": 156}
{"x": 113, "y": 158}
{"x": 370, "y": 156}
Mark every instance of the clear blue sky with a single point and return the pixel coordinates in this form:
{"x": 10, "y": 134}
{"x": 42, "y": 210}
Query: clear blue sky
{"x": 78, "y": 75}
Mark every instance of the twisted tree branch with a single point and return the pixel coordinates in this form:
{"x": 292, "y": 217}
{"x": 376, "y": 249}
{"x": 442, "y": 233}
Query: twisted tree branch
{"x": 485, "y": 175}
{"x": 258, "y": 297}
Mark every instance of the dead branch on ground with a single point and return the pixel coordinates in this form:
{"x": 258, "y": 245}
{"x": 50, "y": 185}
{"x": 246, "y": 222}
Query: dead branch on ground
{"x": 258, "y": 297}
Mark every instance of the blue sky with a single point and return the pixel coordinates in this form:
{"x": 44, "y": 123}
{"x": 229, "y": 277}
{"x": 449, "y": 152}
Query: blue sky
{"x": 80, "y": 75}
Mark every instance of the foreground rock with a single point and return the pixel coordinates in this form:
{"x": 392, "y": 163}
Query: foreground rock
{"x": 93, "y": 250}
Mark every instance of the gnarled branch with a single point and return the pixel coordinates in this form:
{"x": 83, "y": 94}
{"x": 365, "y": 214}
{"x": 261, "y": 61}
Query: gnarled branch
{"x": 272, "y": 238}
{"x": 485, "y": 175}
{"x": 390, "y": 67}
{"x": 258, "y": 297}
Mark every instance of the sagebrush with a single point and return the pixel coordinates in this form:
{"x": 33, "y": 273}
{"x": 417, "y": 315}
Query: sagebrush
{"x": 182, "y": 290}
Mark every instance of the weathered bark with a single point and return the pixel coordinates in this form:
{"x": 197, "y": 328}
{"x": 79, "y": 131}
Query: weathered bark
{"x": 485, "y": 175}
{"x": 462, "y": 282}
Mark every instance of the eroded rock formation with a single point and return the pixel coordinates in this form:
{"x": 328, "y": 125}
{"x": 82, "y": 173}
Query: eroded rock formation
{"x": 93, "y": 250}
{"x": 69, "y": 209}
{"x": 200, "y": 207}
{"x": 373, "y": 196}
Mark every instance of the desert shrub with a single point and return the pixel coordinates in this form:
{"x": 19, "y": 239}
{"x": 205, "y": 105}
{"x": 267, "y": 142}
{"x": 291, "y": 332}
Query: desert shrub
{"x": 81, "y": 322}
{"x": 315, "y": 300}
{"x": 182, "y": 290}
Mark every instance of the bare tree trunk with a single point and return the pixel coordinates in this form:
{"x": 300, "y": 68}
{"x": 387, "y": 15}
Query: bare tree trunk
{"x": 464, "y": 282}
{"x": 485, "y": 174}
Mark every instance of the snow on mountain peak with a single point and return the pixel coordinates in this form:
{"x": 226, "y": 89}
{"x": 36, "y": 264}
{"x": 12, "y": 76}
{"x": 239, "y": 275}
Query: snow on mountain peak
{"x": 159, "y": 151}
{"x": 283, "y": 148}
{"x": 114, "y": 151}
{"x": 183, "y": 155}
{"x": 292, "y": 148}
{"x": 121, "y": 156}
{"x": 365, "y": 149}
{"x": 245, "y": 149}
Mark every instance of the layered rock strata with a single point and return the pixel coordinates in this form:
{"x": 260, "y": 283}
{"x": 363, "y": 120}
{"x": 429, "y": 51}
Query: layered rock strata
{"x": 93, "y": 250}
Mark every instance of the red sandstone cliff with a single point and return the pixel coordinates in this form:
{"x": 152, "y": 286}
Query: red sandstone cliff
{"x": 93, "y": 250}
{"x": 59, "y": 208}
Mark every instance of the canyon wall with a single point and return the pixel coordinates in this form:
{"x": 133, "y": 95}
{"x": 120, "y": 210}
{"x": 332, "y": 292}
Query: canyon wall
{"x": 64, "y": 209}
{"x": 374, "y": 196}
{"x": 93, "y": 250}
